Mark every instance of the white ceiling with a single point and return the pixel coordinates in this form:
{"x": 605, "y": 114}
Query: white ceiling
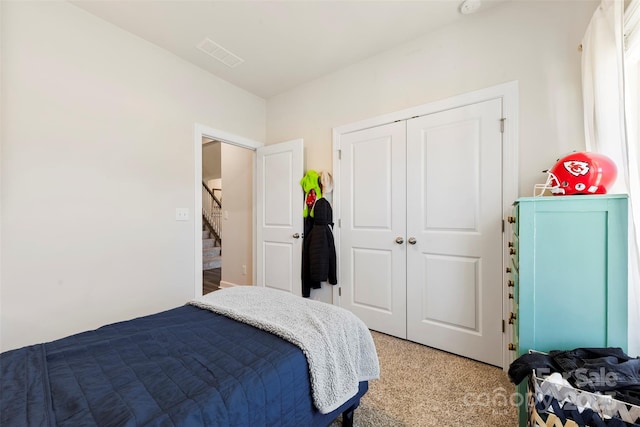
{"x": 283, "y": 43}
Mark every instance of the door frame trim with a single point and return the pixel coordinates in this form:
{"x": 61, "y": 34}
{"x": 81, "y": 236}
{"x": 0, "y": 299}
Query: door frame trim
{"x": 509, "y": 93}
{"x": 199, "y": 132}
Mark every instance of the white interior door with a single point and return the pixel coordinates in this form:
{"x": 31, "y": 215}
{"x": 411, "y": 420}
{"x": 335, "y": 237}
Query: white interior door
{"x": 454, "y": 231}
{"x": 279, "y": 202}
{"x": 372, "y": 201}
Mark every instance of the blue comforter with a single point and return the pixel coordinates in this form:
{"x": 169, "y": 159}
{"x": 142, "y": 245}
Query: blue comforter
{"x": 181, "y": 367}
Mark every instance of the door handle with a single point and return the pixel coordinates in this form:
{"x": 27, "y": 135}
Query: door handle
{"x": 412, "y": 240}
{"x": 399, "y": 240}
{"x": 296, "y": 236}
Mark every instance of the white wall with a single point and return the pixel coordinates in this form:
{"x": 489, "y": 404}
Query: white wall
{"x": 105, "y": 121}
{"x": 97, "y": 152}
{"x": 211, "y": 162}
{"x": 534, "y": 42}
{"x": 237, "y": 222}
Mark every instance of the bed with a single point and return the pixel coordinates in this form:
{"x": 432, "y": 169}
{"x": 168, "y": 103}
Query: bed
{"x": 245, "y": 356}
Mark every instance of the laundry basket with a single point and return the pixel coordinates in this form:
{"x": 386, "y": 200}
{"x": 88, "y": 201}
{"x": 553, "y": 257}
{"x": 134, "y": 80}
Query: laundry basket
{"x": 552, "y": 404}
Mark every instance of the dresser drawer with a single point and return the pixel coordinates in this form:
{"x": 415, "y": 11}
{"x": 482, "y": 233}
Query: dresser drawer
{"x": 513, "y": 290}
{"x": 513, "y": 245}
{"x": 516, "y": 284}
{"x": 513, "y": 218}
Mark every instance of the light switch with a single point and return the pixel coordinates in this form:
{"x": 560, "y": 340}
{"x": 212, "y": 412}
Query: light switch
{"x": 182, "y": 214}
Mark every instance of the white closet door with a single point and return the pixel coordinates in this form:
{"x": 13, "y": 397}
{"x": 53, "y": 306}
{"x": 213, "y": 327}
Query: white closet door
{"x": 279, "y": 203}
{"x": 454, "y": 213}
{"x": 373, "y": 203}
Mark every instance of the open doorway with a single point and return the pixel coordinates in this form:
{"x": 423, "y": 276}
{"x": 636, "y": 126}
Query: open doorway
{"x": 230, "y": 264}
{"x": 227, "y": 214}
{"x": 211, "y": 215}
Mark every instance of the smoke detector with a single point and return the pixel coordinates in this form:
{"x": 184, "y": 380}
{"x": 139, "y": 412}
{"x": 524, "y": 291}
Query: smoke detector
{"x": 469, "y": 6}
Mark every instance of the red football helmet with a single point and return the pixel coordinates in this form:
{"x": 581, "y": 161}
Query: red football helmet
{"x": 579, "y": 173}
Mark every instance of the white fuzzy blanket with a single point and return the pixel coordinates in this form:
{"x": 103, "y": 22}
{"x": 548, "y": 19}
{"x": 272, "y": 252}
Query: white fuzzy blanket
{"x": 338, "y": 345}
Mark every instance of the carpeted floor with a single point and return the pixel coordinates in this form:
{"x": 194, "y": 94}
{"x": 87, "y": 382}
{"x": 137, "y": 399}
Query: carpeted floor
{"x": 423, "y": 387}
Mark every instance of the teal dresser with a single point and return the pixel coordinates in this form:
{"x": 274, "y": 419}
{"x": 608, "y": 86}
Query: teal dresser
{"x": 568, "y": 275}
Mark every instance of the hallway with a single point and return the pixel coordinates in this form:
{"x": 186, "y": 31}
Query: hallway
{"x": 211, "y": 280}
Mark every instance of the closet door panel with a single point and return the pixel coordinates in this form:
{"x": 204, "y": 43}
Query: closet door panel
{"x": 449, "y": 166}
{"x": 454, "y": 212}
{"x": 372, "y": 274}
{"x": 372, "y": 231}
{"x": 454, "y": 279}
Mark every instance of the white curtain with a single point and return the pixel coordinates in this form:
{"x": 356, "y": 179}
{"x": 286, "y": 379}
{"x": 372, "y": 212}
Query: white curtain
{"x": 610, "y": 51}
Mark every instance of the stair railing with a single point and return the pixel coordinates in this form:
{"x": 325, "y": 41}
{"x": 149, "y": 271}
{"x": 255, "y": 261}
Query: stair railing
{"x": 212, "y": 212}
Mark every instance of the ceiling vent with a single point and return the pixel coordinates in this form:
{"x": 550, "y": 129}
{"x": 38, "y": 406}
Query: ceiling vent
{"x": 212, "y": 48}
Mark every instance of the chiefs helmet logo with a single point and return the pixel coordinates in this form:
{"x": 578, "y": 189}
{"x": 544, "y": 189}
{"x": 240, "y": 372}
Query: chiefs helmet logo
{"x": 576, "y": 168}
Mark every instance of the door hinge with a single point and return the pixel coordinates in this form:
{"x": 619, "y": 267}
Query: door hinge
{"x": 502, "y": 325}
{"x": 339, "y": 222}
{"x": 340, "y": 294}
{"x": 502, "y": 124}
{"x": 503, "y": 225}
{"x": 339, "y": 154}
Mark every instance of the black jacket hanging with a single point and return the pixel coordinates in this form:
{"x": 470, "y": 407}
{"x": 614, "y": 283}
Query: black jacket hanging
{"x": 318, "y": 249}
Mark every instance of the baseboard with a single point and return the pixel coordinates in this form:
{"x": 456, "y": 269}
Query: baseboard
{"x": 224, "y": 284}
